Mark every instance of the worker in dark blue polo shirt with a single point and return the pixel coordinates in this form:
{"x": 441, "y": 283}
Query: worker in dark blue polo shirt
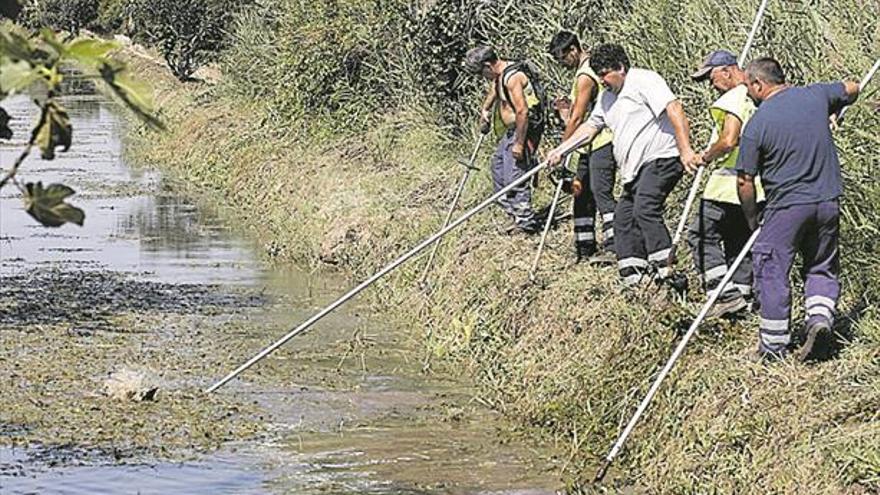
{"x": 788, "y": 143}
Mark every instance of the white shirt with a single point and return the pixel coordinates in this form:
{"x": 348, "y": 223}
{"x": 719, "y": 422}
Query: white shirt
{"x": 637, "y": 117}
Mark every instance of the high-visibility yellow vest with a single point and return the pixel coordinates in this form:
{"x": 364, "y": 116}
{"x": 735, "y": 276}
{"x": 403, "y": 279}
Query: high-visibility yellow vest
{"x": 604, "y": 137}
{"x": 721, "y": 185}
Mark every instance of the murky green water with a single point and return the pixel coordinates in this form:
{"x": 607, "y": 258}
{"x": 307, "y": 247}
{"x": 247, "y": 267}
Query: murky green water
{"x": 352, "y": 411}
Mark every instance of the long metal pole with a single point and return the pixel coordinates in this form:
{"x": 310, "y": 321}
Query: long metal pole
{"x": 751, "y": 39}
{"x": 862, "y": 84}
{"x": 547, "y": 223}
{"x": 692, "y": 194}
{"x": 461, "y": 184}
{"x": 675, "y": 355}
{"x": 384, "y": 271}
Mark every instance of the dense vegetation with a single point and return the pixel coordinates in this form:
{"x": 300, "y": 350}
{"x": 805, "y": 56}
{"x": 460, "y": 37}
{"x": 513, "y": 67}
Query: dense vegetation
{"x": 335, "y": 133}
{"x": 188, "y": 33}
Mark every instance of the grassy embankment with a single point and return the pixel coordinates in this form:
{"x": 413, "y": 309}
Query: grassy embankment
{"x": 572, "y": 355}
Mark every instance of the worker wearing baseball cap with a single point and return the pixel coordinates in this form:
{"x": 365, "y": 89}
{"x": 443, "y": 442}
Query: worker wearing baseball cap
{"x": 719, "y": 231}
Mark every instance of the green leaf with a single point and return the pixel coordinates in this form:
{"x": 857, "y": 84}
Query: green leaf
{"x": 134, "y": 94}
{"x": 16, "y": 76}
{"x": 53, "y": 130}
{"x": 47, "y": 205}
{"x": 138, "y": 93}
{"x": 49, "y": 37}
{"x": 91, "y": 52}
{"x": 15, "y": 46}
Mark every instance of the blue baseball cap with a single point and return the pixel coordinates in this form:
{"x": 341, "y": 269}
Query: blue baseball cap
{"x": 718, "y": 58}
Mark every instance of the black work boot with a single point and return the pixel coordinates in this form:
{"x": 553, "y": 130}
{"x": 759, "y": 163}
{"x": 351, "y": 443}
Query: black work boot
{"x": 817, "y": 340}
{"x": 583, "y": 252}
{"x": 728, "y": 304}
{"x": 678, "y": 282}
{"x": 530, "y": 228}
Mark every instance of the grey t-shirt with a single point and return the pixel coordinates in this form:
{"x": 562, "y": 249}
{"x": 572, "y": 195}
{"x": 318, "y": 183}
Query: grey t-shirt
{"x": 638, "y": 118}
{"x": 788, "y": 143}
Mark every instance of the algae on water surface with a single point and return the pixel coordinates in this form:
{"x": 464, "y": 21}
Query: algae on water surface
{"x": 64, "y": 333}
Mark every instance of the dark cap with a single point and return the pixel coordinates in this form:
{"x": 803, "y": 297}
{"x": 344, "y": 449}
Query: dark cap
{"x": 718, "y": 58}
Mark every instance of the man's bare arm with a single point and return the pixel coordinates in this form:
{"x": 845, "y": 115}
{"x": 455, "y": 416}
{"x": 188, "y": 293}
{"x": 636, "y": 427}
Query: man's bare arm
{"x": 488, "y": 101}
{"x": 851, "y": 88}
{"x": 727, "y": 141}
{"x": 581, "y": 136}
{"x": 515, "y": 87}
{"x": 580, "y": 108}
{"x": 682, "y": 135}
{"x": 745, "y": 188}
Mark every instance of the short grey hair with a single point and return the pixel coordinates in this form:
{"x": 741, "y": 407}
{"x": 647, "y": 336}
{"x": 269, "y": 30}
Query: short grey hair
{"x": 476, "y": 57}
{"x": 766, "y": 69}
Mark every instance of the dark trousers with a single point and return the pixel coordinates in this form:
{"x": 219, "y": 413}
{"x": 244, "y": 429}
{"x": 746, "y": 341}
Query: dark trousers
{"x": 811, "y": 230}
{"x": 716, "y": 236}
{"x": 506, "y": 169}
{"x": 642, "y": 240}
{"x": 596, "y": 171}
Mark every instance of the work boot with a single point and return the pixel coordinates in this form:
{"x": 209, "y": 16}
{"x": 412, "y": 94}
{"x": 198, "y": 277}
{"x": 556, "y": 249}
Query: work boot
{"x": 603, "y": 258}
{"x": 817, "y": 340}
{"x": 530, "y": 228}
{"x": 671, "y": 289}
{"x": 512, "y": 227}
{"x": 678, "y": 282}
{"x": 728, "y": 306}
{"x": 584, "y": 252}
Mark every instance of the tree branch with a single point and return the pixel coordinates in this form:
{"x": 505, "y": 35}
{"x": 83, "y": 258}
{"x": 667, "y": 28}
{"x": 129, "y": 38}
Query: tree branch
{"x": 11, "y": 174}
{"x": 27, "y": 150}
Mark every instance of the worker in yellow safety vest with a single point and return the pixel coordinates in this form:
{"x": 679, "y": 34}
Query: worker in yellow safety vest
{"x": 719, "y": 231}
{"x": 593, "y": 186}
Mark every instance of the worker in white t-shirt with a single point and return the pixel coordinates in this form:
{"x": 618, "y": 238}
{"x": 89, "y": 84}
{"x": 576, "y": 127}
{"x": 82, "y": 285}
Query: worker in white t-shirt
{"x": 651, "y": 147}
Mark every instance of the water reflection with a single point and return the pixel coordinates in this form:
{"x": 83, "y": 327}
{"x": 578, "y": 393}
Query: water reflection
{"x": 133, "y": 223}
{"x": 169, "y": 223}
{"x": 20, "y": 473}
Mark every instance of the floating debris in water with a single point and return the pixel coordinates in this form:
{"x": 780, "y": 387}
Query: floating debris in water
{"x": 131, "y": 385}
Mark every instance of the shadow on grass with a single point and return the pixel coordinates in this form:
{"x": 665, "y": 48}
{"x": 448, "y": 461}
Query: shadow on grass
{"x": 844, "y": 327}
